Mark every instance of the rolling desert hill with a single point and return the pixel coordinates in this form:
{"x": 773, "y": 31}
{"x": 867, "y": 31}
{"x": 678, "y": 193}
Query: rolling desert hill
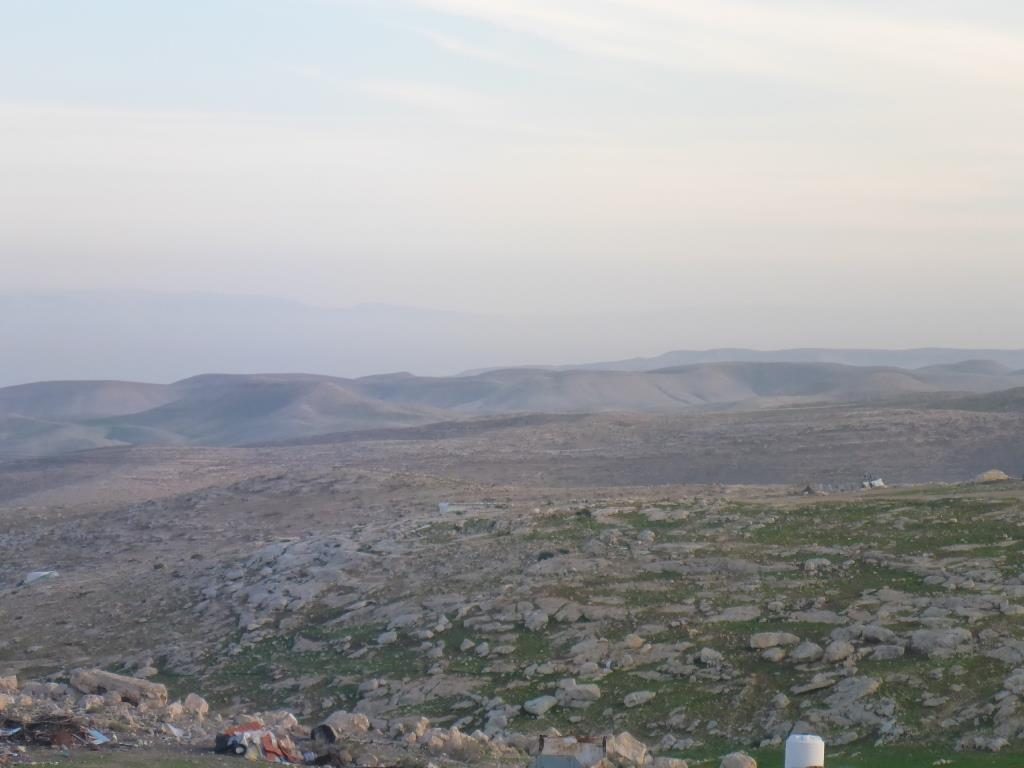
{"x": 250, "y": 409}
{"x": 83, "y": 399}
{"x": 224, "y": 410}
{"x": 708, "y": 385}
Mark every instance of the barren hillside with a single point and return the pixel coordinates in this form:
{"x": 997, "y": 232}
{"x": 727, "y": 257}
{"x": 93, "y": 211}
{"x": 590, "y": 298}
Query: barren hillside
{"x": 51, "y": 418}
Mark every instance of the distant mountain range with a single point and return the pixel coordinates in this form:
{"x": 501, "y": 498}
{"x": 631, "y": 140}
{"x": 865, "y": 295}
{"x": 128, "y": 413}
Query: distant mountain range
{"x": 54, "y": 417}
{"x": 138, "y": 336}
{"x": 1012, "y": 359}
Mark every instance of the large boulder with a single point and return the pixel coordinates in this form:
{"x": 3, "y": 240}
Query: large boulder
{"x": 536, "y": 621}
{"x": 992, "y": 476}
{"x": 540, "y": 705}
{"x": 839, "y": 650}
{"x": 873, "y": 633}
{"x": 571, "y": 691}
{"x": 626, "y": 751}
{"x": 806, "y": 653}
{"x": 637, "y": 698}
{"x": 8, "y": 684}
{"x": 339, "y": 725}
{"x": 939, "y": 643}
{"x": 738, "y": 760}
{"x": 129, "y": 689}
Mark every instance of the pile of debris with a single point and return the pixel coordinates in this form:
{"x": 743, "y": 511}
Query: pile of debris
{"x": 85, "y": 711}
{"x": 255, "y": 741}
{"x": 61, "y": 731}
{"x": 95, "y": 703}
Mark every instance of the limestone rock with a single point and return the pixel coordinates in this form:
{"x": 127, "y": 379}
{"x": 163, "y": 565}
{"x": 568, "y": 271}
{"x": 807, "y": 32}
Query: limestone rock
{"x": 572, "y": 691}
{"x": 536, "y": 621}
{"x": 637, "y": 698}
{"x": 91, "y": 703}
{"x": 939, "y": 643}
{"x": 806, "y": 653}
{"x": 839, "y": 650}
{"x": 626, "y": 751}
{"x": 873, "y": 633}
{"x": 738, "y": 760}
{"x": 339, "y": 725}
{"x": 764, "y": 640}
{"x": 540, "y": 705}
{"x": 709, "y": 657}
{"x": 195, "y": 704}
{"x": 737, "y": 613}
{"x": 887, "y": 652}
{"x": 634, "y": 642}
{"x": 992, "y": 476}
{"x": 129, "y": 689}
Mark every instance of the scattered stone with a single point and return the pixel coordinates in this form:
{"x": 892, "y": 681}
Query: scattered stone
{"x": 817, "y": 683}
{"x": 540, "y": 705}
{"x": 939, "y": 643}
{"x": 737, "y": 613}
{"x": 765, "y": 640}
{"x": 839, "y": 650}
{"x": 637, "y": 698}
{"x": 887, "y": 652}
{"x": 806, "y": 653}
{"x": 536, "y": 621}
{"x": 873, "y": 633}
{"x": 709, "y": 657}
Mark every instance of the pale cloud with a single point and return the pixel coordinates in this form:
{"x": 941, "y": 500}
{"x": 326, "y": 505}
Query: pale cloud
{"x": 808, "y": 42}
{"x": 648, "y": 143}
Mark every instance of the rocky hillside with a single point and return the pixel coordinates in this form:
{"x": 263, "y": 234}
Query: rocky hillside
{"x": 698, "y": 619}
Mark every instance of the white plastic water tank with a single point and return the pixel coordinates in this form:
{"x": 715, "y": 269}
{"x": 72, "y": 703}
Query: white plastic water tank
{"x": 805, "y": 751}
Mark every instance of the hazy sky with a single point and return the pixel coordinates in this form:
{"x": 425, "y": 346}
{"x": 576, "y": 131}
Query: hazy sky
{"x": 526, "y": 155}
